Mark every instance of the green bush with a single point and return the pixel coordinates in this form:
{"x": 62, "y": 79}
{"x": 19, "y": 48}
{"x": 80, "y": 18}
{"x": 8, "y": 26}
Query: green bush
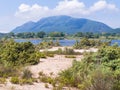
{"x": 87, "y": 43}
{"x": 27, "y": 74}
{"x": 2, "y": 80}
{"x": 15, "y": 80}
{"x": 42, "y": 55}
{"x": 9, "y": 71}
{"x": 50, "y": 55}
{"x": 70, "y": 56}
{"x": 47, "y": 44}
{"x": 16, "y": 54}
{"x": 96, "y": 71}
{"x": 46, "y": 79}
{"x": 68, "y": 51}
{"x": 26, "y": 81}
{"x": 43, "y": 79}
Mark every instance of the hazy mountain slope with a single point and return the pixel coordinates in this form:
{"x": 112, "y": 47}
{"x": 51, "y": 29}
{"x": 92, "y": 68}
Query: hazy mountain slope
{"x": 63, "y": 24}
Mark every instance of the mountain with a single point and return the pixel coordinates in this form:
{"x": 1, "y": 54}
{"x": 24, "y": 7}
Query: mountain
{"x": 2, "y": 35}
{"x": 65, "y": 24}
{"x": 27, "y": 27}
{"x": 117, "y": 30}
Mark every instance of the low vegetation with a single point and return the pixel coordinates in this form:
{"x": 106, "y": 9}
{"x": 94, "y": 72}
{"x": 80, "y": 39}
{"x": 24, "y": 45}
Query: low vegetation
{"x": 2, "y": 80}
{"x": 14, "y": 57}
{"x": 16, "y": 54}
{"x": 97, "y": 71}
{"x": 70, "y": 56}
{"x": 87, "y": 43}
{"x": 61, "y": 35}
{"x": 47, "y": 45}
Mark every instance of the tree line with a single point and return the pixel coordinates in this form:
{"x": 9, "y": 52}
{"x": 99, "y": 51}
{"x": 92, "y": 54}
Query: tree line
{"x": 43, "y": 34}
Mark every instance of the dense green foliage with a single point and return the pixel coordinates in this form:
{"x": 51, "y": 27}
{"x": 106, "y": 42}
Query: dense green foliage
{"x": 56, "y": 34}
{"x": 41, "y": 34}
{"x": 87, "y": 34}
{"x": 86, "y": 43}
{"x": 47, "y": 44}
{"x": 96, "y": 35}
{"x": 60, "y": 35}
{"x": 26, "y": 35}
{"x": 15, "y": 56}
{"x": 97, "y": 71}
{"x": 13, "y": 53}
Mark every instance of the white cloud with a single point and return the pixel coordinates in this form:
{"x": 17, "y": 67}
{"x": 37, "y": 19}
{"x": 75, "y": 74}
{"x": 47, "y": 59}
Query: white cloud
{"x": 102, "y": 5}
{"x": 70, "y": 7}
{"x": 66, "y": 7}
{"x": 34, "y": 11}
{"x": 23, "y": 8}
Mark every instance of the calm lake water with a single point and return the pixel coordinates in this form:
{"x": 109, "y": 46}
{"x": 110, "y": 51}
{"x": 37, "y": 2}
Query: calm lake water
{"x": 62, "y": 42}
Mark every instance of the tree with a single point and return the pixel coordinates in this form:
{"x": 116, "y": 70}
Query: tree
{"x": 56, "y": 34}
{"x": 40, "y": 34}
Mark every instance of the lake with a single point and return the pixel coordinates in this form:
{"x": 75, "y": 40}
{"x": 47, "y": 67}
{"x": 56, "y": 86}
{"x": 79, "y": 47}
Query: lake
{"x": 62, "y": 42}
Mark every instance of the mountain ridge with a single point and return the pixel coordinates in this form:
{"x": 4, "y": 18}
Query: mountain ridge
{"x": 65, "y": 24}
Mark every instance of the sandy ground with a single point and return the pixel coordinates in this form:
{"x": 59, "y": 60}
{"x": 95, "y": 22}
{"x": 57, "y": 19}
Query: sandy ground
{"x": 50, "y": 65}
{"x": 76, "y": 50}
{"x": 54, "y": 48}
{"x": 53, "y": 65}
{"x": 86, "y": 50}
{"x": 35, "y": 86}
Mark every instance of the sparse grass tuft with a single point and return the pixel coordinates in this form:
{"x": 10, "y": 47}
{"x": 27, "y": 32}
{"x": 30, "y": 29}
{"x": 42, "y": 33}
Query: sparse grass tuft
{"x": 46, "y": 85}
{"x": 70, "y": 56}
{"x": 27, "y": 74}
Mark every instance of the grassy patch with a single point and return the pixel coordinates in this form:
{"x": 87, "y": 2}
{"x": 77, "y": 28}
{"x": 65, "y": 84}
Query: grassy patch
{"x": 70, "y": 56}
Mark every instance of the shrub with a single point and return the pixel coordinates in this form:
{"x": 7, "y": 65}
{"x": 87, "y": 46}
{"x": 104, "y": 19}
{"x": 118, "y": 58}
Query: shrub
{"x": 42, "y": 55}
{"x": 47, "y": 44}
{"x": 59, "y": 51}
{"x": 68, "y": 51}
{"x": 15, "y": 80}
{"x": 54, "y": 83}
{"x": 43, "y": 79}
{"x": 60, "y": 86}
{"x": 70, "y": 56}
{"x": 27, "y": 74}
{"x": 41, "y": 73}
{"x": 9, "y": 71}
{"x": 96, "y": 71}
{"x": 26, "y": 81}
{"x": 50, "y": 55}
{"x": 46, "y": 79}
{"x": 16, "y": 54}
{"x": 46, "y": 85}
{"x": 2, "y": 80}
{"x": 87, "y": 43}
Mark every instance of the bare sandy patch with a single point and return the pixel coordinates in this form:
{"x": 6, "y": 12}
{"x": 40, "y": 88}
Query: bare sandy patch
{"x": 53, "y": 65}
{"x": 76, "y": 50}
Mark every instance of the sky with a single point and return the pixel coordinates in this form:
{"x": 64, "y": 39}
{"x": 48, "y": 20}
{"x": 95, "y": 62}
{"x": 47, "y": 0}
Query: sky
{"x": 14, "y": 13}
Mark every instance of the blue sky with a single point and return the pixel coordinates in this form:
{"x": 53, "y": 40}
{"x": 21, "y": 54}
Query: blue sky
{"x": 16, "y": 12}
